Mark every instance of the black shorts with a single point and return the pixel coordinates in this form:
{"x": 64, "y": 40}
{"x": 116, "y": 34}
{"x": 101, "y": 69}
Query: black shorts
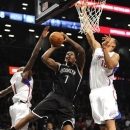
{"x": 54, "y": 103}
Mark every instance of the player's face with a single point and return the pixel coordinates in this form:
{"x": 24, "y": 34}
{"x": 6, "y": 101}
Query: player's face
{"x": 70, "y": 57}
{"x": 111, "y": 45}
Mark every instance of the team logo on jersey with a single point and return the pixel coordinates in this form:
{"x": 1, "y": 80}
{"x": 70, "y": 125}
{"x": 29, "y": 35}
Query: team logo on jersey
{"x": 99, "y": 57}
{"x": 67, "y": 70}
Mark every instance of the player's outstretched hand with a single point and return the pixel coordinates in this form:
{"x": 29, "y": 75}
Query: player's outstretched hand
{"x": 106, "y": 38}
{"x": 45, "y": 32}
{"x": 66, "y": 38}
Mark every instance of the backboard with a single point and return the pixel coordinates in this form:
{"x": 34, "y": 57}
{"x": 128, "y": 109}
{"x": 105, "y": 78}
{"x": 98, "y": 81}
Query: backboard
{"x": 46, "y": 9}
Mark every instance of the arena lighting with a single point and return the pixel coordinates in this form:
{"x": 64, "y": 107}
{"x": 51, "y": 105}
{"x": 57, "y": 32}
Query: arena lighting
{"x": 114, "y": 8}
{"x": 13, "y": 69}
{"x": 24, "y": 4}
{"x": 10, "y": 35}
{"x": 7, "y": 30}
{"x": 7, "y": 25}
{"x": 37, "y": 36}
{"x": 118, "y": 78}
{"x": 79, "y": 37}
{"x": 121, "y": 78}
{"x": 108, "y": 18}
{"x": 31, "y": 30}
{"x": 24, "y": 8}
{"x": 114, "y": 31}
{"x": 69, "y": 34}
{"x": 117, "y": 9}
{"x": 61, "y": 23}
{"x": 76, "y": 26}
{"x": 63, "y": 17}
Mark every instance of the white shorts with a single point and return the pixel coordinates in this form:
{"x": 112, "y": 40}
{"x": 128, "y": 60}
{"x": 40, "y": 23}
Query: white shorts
{"x": 104, "y": 104}
{"x": 18, "y": 111}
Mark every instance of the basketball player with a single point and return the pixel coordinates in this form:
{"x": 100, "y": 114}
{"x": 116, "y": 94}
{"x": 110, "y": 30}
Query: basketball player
{"x": 103, "y": 97}
{"x": 65, "y": 85}
{"x": 104, "y": 63}
{"x": 22, "y": 85}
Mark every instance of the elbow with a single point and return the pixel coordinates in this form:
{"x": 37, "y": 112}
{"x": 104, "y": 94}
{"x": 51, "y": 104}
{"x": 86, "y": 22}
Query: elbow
{"x": 43, "y": 58}
{"x": 111, "y": 66}
{"x": 82, "y": 52}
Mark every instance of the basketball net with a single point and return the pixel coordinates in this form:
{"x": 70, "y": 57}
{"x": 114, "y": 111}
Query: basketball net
{"x": 89, "y": 14}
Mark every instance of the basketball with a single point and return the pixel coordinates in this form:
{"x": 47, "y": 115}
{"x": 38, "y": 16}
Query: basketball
{"x": 56, "y": 39}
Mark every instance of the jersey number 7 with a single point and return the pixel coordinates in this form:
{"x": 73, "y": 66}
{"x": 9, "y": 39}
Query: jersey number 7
{"x": 66, "y": 78}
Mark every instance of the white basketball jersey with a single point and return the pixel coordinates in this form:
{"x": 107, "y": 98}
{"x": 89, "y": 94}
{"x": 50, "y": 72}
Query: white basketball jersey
{"x": 22, "y": 88}
{"x": 100, "y": 75}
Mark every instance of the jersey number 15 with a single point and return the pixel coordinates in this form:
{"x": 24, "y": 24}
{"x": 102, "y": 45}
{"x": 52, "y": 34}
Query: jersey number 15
{"x": 103, "y": 64}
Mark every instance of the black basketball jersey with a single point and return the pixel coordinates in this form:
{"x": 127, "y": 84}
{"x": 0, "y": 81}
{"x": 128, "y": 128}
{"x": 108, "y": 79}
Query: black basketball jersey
{"x": 67, "y": 81}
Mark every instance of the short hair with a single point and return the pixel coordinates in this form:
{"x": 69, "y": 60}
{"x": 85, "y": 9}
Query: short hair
{"x": 75, "y": 53}
{"x": 117, "y": 46}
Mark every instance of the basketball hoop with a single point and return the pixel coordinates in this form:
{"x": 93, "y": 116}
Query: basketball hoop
{"x": 89, "y": 12}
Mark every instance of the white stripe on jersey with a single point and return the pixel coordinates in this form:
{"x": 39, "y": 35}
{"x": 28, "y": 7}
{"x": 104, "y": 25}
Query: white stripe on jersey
{"x": 79, "y": 80}
{"x": 22, "y": 88}
{"x": 78, "y": 70}
{"x": 100, "y": 75}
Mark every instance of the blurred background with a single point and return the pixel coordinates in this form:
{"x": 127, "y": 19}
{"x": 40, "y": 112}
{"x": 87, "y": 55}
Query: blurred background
{"x": 18, "y": 36}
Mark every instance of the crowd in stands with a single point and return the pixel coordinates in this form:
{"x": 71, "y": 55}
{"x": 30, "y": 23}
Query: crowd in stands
{"x": 84, "y": 119}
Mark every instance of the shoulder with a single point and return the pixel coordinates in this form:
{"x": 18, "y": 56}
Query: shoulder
{"x": 97, "y": 51}
{"x": 17, "y": 74}
{"x": 115, "y": 54}
{"x": 14, "y": 77}
{"x": 59, "y": 66}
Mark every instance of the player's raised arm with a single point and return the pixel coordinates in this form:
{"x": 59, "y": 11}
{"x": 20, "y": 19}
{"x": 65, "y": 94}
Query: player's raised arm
{"x": 35, "y": 52}
{"x": 81, "y": 52}
{"x": 113, "y": 61}
{"x": 89, "y": 34}
{"x": 6, "y": 91}
{"x": 92, "y": 41}
{"x": 49, "y": 61}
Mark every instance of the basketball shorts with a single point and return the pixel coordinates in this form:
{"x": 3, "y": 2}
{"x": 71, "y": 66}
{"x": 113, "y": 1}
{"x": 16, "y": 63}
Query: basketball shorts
{"x": 104, "y": 104}
{"x": 18, "y": 111}
{"x": 54, "y": 103}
